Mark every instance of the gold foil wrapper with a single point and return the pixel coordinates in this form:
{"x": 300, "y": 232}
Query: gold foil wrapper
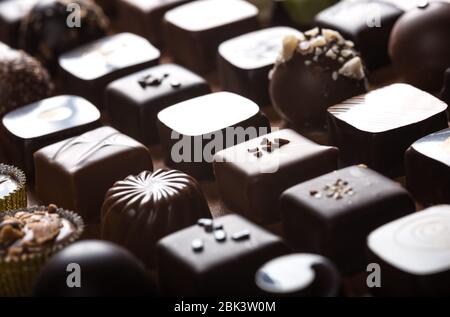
{"x": 18, "y": 198}
{"x": 18, "y": 274}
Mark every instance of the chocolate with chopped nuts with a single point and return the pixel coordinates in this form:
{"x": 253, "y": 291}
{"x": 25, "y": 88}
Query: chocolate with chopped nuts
{"x": 252, "y": 175}
{"x": 314, "y": 71}
{"x": 332, "y": 214}
{"x": 197, "y": 262}
{"x": 31, "y": 232}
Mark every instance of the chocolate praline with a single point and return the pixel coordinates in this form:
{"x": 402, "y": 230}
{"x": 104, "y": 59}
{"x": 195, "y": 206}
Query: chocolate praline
{"x": 420, "y": 45}
{"x": 141, "y": 209}
{"x": 23, "y": 80}
{"x": 315, "y": 70}
{"x": 45, "y": 32}
{"x": 106, "y": 270}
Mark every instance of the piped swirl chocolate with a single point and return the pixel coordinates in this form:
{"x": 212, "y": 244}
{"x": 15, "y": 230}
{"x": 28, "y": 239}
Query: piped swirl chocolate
{"x": 142, "y": 209}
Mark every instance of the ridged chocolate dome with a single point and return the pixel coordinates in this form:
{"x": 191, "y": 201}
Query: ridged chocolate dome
{"x": 142, "y": 209}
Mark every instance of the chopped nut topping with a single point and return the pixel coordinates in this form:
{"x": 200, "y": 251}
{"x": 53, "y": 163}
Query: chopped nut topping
{"x": 313, "y": 32}
{"x": 290, "y": 44}
{"x": 353, "y": 69}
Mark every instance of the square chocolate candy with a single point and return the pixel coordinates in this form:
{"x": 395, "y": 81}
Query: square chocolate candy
{"x": 332, "y": 214}
{"x": 76, "y": 173}
{"x": 192, "y": 131}
{"x": 145, "y": 17}
{"x": 377, "y": 128}
{"x": 414, "y": 254}
{"x": 245, "y": 62}
{"x": 251, "y": 176}
{"x": 427, "y": 164}
{"x": 194, "y": 31}
{"x": 368, "y": 23}
{"x": 29, "y": 128}
{"x": 133, "y": 102}
{"x": 87, "y": 70}
{"x": 12, "y": 12}
{"x": 217, "y": 258}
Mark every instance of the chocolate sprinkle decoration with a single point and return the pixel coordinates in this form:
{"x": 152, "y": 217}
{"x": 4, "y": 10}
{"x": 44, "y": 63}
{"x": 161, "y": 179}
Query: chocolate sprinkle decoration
{"x": 241, "y": 235}
{"x": 337, "y": 190}
{"x": 197, "y": 245}
{"x": 205, "y": 222}
{"x": 220, "y": 235}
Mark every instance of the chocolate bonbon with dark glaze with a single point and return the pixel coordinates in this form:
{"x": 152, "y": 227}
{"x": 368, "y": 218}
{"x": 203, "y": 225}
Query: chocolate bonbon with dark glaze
{"x": 141, "y": 209}
{"x": 76, "y": 173}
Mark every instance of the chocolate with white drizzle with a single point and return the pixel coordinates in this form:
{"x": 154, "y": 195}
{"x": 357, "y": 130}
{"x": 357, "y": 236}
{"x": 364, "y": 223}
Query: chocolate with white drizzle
{"x": 76, "y": 173}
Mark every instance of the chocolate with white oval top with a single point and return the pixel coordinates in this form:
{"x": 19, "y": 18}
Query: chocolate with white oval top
{"x": 87, "y": 70}
{"x": 45, "y": 122}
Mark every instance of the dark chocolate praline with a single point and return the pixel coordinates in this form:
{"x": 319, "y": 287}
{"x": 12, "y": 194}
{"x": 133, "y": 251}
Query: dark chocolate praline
{"x": 315, "y": 70}
{"x": 106, "y": 270}
{"x": 141, "y": 209}
{"x": 23, "y": 80}
{"x": 46, "y": 33}
{"x": 420, "y": 45}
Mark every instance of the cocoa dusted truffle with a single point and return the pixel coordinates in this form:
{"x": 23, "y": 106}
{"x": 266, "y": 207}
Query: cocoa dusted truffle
{"x": 46, "y": 34}
{"x": 23, "y": 80}
{"x": 420, "y": 45}
{"x": 140, "y": 210}
{"x": 315, "y": 70}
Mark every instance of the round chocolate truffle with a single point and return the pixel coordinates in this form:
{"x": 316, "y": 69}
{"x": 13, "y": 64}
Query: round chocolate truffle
{"x": 93, "y": 268}
{"x": 420, "y": 45}
{"x": 315, "y": 70}
{"x": 306, "y": 275}
{"x": 142, "y": 209}
{"x": 23, "y": 80}
{"x": 51, "y": 28}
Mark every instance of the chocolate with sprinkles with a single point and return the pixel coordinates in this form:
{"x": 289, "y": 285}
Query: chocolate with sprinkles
{"x": 24, "y": 80}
